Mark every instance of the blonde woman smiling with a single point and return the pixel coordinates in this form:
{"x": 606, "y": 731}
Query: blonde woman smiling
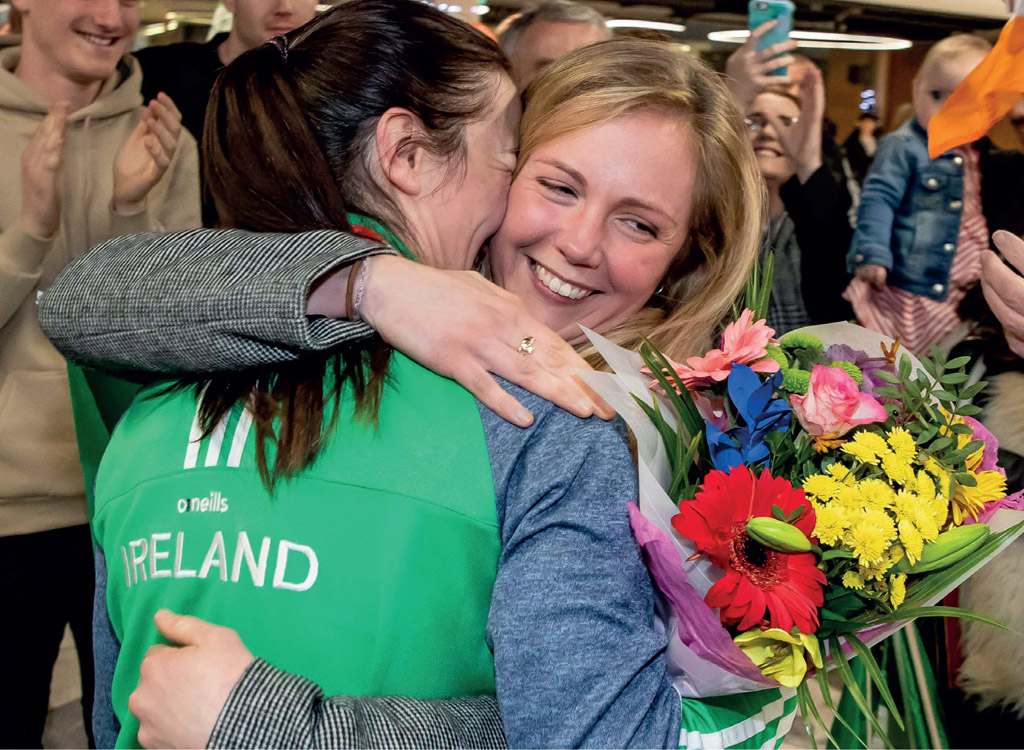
{"x": 635, "y": 209}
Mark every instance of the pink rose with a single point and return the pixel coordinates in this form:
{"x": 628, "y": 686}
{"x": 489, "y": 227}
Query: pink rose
{"x": 834, "y": 404}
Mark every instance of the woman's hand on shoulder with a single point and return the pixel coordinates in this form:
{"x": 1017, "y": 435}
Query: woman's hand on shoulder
{"x": 183, "y": 688}
{"x": 462, "y": 326}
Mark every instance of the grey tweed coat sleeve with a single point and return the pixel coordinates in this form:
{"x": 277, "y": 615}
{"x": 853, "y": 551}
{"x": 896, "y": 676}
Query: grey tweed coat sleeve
{"x": 198, "y": 301}
{"x": 269, "y": 708}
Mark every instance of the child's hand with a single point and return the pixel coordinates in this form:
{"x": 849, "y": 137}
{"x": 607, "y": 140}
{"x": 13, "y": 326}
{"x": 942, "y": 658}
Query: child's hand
{"x": 873, "y": 274}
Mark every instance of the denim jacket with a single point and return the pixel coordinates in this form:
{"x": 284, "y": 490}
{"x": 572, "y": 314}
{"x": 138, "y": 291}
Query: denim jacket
{"x": 909, "y": 216}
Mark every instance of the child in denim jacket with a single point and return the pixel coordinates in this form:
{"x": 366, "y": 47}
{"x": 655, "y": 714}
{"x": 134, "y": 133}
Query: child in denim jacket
{"x": 920, "y": 230}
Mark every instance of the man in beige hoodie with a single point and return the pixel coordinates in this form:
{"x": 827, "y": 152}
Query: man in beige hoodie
{"x": 83, "y": 161}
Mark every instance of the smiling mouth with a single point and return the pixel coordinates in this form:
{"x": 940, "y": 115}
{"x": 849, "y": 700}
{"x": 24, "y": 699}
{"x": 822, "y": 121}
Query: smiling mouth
{"x": 768, "y": 151}
{"x": 559, "y": 286}
{"x": 99, "y": 41}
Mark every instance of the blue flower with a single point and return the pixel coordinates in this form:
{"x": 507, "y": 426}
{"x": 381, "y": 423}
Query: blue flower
{"x": 761, "y": 412}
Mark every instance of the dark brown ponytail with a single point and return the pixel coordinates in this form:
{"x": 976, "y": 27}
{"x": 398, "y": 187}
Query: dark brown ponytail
{"x": 287, "y": 147}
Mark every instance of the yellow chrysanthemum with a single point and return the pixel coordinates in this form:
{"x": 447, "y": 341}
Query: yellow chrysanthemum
{"x": 932, "y": 467}
{"x": 940, "y": 511}
{"x": 911, "y": 540}
{"x": 872, "y": 441}
{"x": 897, "y": 589}
{"x": 821, "y": 486}
{"x": 841, "y": 473}
{"x": 925, "y": 521}
{"x": 925, "y": 486}
{"x": 904, "y": 504}
{"x": 897, "y": 469}
{"x": 870, "y": 535}
{"x": 902, "y": 444}
{"x": 860, "y": 452}
{"x": 830, "y": 523}
{"x": 876, "y": 571}
{"x": 853, "y": 580}
{"x": 970, "y": 500}
{"x": 876, "y": 493}
{"x": 850, "y": 497}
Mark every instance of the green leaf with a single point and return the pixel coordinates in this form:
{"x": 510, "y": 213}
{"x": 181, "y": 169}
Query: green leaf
{"x": 889, "y": 391}
{"x": 905, "y": 367}
{"x": 929, "y": 367}
{"x": 914, "y": 613}
{"x": 668, "y": 435}
{"x": 850, "y": 683}
{"x": 826, "y": 697}
{"x": 961, "y": 429}
{"x": 682, "y": 478}
{"x": 965, "y": 479}
{"x": 795, "y": 515}
{"x": 777, "y": 512}
{"x": 887, "y": 376}
{"x": 973, "y": 390}
{"x": 969, "y": 410}
{"x": 941, "y": 444}
{"x": 806, "y": 700}
{"x": 868, "y": 659}
{"x": 802, "y": 698}
{"x": 957, "y": 362}
{"x": 832, "y": 554}
{"x": 954, "y": 378}
{"x": 680, "y": 399}
{"x": 944, "y": 395}
{"x": 940, "y": 361}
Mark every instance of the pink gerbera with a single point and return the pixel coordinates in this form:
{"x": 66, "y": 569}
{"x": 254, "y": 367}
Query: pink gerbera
{"x": 743, "y": 342}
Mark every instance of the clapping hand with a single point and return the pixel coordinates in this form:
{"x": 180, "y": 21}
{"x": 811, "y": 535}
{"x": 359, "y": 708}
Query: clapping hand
{"x": 748, "y": 71}
{"x": 42, "y": 162}
{"x": 146, "y": 154}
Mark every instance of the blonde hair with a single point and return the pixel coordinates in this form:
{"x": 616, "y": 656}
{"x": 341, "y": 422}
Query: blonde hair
{"x": 603, "y": 81}
{"x": 952, "y": 47}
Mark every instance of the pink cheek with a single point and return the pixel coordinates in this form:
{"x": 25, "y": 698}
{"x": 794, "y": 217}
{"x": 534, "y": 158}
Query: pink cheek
{"x": 636, "y": 279}
{"x": 532, "y": 219}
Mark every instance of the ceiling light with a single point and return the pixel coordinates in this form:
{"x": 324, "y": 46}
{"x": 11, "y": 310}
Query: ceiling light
{"x": 822, "y": 40}
{"x": 625, "y": 23}
{"x": 480, "y": 10}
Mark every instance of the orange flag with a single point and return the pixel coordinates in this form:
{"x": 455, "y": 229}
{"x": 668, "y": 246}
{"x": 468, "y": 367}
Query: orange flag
{"x": 986, "y": 95}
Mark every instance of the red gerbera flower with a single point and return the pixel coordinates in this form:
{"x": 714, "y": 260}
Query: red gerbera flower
{"x": 788, "y": 585}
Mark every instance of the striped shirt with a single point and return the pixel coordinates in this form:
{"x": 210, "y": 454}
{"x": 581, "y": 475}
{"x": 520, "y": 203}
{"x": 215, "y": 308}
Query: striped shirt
{"x": 919, "y": 321}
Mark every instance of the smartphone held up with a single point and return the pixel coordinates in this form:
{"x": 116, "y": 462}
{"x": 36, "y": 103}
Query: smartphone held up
{"x": 761, "y": 12}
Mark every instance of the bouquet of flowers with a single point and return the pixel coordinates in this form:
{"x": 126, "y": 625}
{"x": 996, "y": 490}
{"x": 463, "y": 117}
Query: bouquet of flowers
{"x": 801, "y": 499}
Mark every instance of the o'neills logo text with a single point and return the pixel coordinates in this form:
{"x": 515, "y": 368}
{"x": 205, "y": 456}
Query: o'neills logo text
{"x": 212, "y": 503}
{"x": 149, "y": 558}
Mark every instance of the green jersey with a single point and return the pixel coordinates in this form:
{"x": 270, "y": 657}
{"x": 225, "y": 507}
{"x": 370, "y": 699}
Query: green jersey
{"x": 371, "y": 572}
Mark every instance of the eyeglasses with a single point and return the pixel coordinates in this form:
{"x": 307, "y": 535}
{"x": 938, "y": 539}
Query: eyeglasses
{"x": 756, "y": 121}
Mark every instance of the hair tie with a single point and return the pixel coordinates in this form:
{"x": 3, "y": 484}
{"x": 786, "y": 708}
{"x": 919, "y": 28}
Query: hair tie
{"x": 281, "y": 43}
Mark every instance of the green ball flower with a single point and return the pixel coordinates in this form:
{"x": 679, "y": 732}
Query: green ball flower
{"x": 796, "y": 381}
{"x": 852, "y": 370}
{"x": 801, "y": 341}
{"x": 774, "y": 352}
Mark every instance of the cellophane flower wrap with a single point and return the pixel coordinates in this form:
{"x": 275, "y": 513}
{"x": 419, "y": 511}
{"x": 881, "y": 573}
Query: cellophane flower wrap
{"x": 803, "y": 498}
